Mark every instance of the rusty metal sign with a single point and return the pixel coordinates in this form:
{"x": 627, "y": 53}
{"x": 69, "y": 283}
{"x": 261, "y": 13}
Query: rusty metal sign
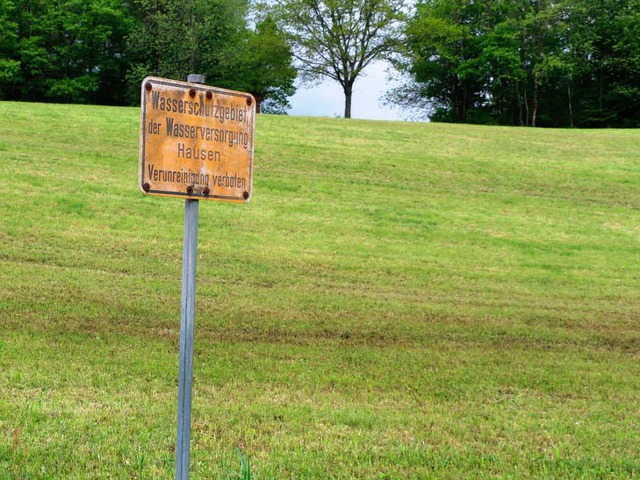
{"x": 196, "y": 141}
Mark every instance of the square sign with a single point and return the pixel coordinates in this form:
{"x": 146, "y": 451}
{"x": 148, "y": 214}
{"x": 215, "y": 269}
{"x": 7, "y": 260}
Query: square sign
{"x": 196, "y": 141}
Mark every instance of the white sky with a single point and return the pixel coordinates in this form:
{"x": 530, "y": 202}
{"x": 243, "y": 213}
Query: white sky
{"x": 327, "y": 99}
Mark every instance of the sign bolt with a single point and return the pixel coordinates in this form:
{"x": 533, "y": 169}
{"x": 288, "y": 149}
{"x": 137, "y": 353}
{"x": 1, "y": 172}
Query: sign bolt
{"x": 189, "y": 189}
{"x": 192, "y": 92}
{"x": 206, "y": 191}
{"x": 209, "y": 95}
{"x": 148, "y": 87}
{"x": 146, "y": 187}
{"x": 245, "y": 195}
{"x": 249, "y": 101}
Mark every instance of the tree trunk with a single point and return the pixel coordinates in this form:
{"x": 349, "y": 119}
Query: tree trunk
{"x": 258, "y": 102}
{"x": 526, "y": 106}
{"x": 541, "y": 30}
{"x": 348, "y": 92}
{"x": 520, "y": 102}
{"x": 571, "y": 124}
{"x": 601, "y": 95}
{"x": 534, "y": 117}
{"x": 523, "y": 66}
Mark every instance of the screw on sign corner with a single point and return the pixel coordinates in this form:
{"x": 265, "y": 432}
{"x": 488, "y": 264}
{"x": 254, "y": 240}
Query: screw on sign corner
{"x": 249, "y": 101}
{"x": 209, "y": 95}
{"x": 148, "y": 87}
{"x": 146, "y": 187}
{"x": 192, "y": 92}
{"x": 245, "y": 195}
{"x": 206, "y": 191}
{"x": 189, "y": 189}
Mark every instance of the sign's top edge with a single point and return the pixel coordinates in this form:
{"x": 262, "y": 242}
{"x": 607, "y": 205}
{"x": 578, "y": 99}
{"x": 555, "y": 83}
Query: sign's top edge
{"x": 177, "y": 83}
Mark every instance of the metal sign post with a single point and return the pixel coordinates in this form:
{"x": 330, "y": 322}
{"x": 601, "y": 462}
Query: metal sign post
{"x": 187, "y": 324}
{"x": 187, "y": 327}
{"x": 196, "y": 143}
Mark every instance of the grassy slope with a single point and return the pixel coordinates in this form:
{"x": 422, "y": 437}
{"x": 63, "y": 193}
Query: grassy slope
{"x": 396, "y": 301}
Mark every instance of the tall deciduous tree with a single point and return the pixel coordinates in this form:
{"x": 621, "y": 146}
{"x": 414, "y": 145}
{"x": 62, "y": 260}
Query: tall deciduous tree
{"x": 176, "y": 37}
{"x": 63, "y": 50}
{"x": 9, "y": 62}
{"x": 211, "y": 37}
{"x": 442, "y": 58}
{"x": 338, "y": 39}
{"x": 261, "y": 63}
{"x": 606, "y": 55}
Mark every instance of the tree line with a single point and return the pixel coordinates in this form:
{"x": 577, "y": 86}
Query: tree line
{"x": 98, "y": 51}
{"x": 557, "y": 63}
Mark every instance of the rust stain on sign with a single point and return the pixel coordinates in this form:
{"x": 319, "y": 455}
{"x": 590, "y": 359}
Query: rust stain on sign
{"x": 196, "y": 141}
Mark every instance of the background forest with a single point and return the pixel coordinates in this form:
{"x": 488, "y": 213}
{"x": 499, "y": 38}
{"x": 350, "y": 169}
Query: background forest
{"x": 558, "y": 63}
{"x": 98, "y": 51}
{"x": 565, "y": 63}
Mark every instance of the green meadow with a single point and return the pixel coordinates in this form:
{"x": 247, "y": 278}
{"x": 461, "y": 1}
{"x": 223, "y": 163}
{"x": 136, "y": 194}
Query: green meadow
{"x": 396, "y": 301}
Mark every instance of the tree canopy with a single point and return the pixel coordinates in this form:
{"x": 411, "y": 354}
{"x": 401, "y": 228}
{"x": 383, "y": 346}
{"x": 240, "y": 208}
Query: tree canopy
{"x": 64, "y": 51}
{"x": 263, "y": 66}
{"x": 98, "y": 51}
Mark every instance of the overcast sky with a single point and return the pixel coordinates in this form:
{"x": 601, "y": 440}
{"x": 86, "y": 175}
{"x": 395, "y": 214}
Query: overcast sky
{"x": 327, "y": 99}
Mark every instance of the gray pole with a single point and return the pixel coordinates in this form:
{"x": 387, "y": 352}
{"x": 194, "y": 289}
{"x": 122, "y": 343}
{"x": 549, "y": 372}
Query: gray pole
{"x": 187, "y": 314}
{"x": 187, "y": 325}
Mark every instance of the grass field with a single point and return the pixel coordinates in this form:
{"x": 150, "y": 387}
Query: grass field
{"x": 397, "y": 301}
